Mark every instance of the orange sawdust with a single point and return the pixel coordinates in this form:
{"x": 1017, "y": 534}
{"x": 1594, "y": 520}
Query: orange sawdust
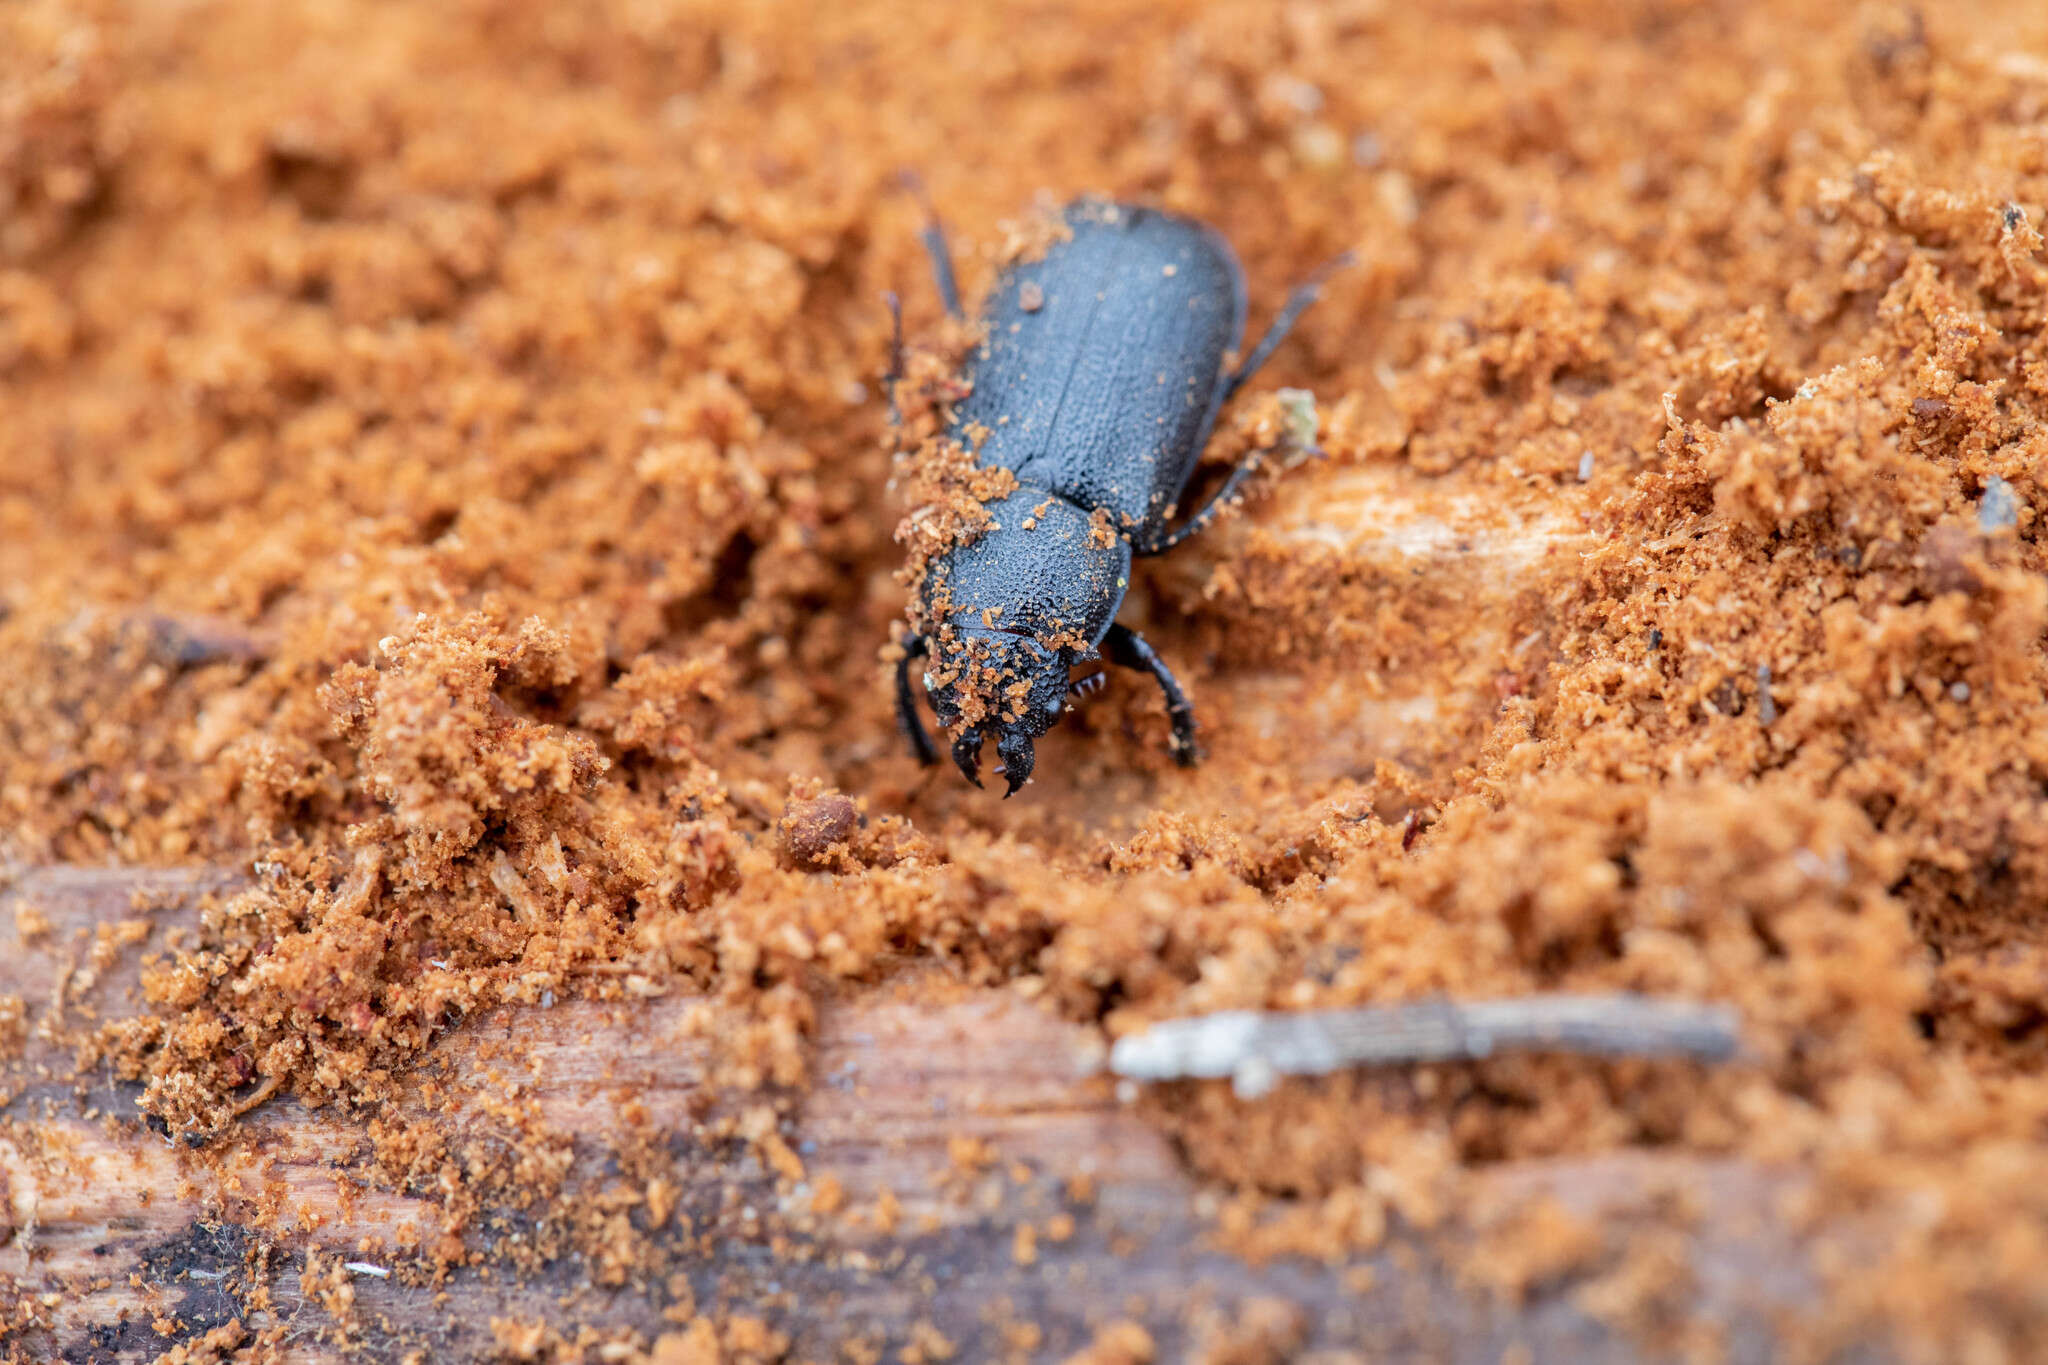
{"x": 443, "y": 475}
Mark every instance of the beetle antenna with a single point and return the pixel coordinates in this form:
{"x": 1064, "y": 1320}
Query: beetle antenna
{"x": 934, "y": 238}
{"x": 895, "y": 374}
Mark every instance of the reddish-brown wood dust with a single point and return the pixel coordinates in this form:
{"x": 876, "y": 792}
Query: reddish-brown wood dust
{"x": 443, "y": 468}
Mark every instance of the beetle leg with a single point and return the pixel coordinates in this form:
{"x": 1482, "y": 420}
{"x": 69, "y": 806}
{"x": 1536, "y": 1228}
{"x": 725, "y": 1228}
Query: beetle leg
{"x": 1223, "y": 497}
{"x": 934, "y": 238}
{"x": 907, "y": 719}
{"x": 1305, "y": 293}
{"x": 1128, "y": 649}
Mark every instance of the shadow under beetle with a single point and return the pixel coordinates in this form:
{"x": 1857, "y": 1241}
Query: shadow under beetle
{"x": 1097, "y": 382}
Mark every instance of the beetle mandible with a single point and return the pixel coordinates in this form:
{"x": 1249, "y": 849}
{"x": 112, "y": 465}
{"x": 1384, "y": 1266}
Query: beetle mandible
{"x": 1096, "y": 383}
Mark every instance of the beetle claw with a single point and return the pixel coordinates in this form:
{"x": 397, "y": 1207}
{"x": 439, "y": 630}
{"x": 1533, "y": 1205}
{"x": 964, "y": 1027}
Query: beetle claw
{"x": 967, "y": 755}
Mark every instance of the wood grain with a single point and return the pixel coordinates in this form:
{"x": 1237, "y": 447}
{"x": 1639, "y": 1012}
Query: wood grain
{"x": 124, "y": 1230}
{"x": 1430, "y": 590}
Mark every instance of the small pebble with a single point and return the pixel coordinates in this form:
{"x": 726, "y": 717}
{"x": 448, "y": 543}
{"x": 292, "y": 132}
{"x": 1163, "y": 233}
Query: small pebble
{"x": 1766, "y": 708}
{"x": 1998, "y": 509}
{"x": 1586, "y": 467}
{"x": 1960, "y": 691}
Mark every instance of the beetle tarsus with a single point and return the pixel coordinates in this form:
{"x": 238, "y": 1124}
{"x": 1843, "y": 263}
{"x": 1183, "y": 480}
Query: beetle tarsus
{"x": 907, "y": 720}
{"x": 1126, "y": 648}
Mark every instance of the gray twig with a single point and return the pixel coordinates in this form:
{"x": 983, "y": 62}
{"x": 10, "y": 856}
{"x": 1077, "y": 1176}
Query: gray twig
{"x": 1255, "y": 1048}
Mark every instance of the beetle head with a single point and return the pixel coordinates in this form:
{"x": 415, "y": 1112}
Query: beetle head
{"x": 1001, "y": 684}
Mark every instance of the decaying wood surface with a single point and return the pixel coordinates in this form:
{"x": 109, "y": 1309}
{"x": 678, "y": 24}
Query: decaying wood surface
{"x": 135, "y": 1245}
{"x": 1070, "y": 1213}
{"x": 1440, "y": 575}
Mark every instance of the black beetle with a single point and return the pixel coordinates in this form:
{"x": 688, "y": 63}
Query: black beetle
{"x": 1096, "y": 383}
